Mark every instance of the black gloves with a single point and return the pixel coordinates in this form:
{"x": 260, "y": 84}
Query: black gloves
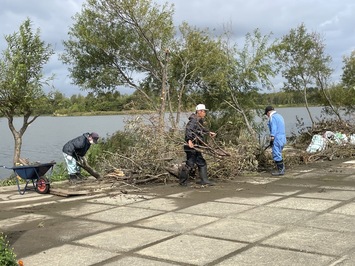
{"x": 271, "y": 142}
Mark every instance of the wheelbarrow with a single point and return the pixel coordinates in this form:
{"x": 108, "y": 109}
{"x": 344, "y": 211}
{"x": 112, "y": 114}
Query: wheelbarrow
{"x": 35, "y": 175}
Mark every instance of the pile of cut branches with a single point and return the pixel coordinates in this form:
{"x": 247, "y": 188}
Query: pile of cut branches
{"x": 155, "y": 157}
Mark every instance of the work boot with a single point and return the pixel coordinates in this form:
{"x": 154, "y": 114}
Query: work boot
{"x": 183, "y": 173}
{"x": 80, "y": 176}
{"x": 203, "y": 175}
{"x": 280, "y": 169}
{"x": 73, "y": 178}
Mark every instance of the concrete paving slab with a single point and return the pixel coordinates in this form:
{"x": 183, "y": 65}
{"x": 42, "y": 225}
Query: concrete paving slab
{"x": 266, "y": 256}
{"x": 238, "y": 230}
{"x": 12, "y": 188}
{"x": 318, "y": 205}
{"x": 157, "y": 204}
{"x": 347, "y": 260}
{"x": 85, "y": 209}
{"x": 272, "y": 215}
{"x": 69, "y": 231}
{"x": 22, "y": 220}
{"x": 289, "y": 183}
{"x": 51, "y": 200}
{"x": 348, "y": 209}
{"x": 249, "y": 199}
{"x": 121, "y": 199}
{"x": 124, "y": 239}
{"x": 176, "y": 222}
{"x": 257, "y": 180}
{"x": 81, "y": 198}
{"x": 314, "y": 240}
{"x": 334, "y": 194}
{"x": 122, "y": 215}
{"x": 65, "y": 255}
{"x": 194, "y": 250}
{"x": 309, "y": 175}
{"x": 334, "y": 222}
{"x": 288, "y": 191}
{"x": 137, "y": 261}
{"x": 350, "y": 178}
{"x": 322, "y": 174}
{"x": 338, "y": 186}
{"x": 217, "y": 209}
{"x": 342, "y": 172}
{"x": 185, "y": 194}
{"x": 14, "y": 196}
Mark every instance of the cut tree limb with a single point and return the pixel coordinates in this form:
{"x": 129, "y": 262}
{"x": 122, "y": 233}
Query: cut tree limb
{"x": 84, "y": 164}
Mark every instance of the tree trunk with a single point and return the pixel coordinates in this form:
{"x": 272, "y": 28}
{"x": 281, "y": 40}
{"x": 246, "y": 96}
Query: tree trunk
{"x": 307, "y": 107}
{"x": 240, "y": 110}
{"x": 17, "y": 135}
{"x": 163, "y": 92}
{"x": 18, "y": 146}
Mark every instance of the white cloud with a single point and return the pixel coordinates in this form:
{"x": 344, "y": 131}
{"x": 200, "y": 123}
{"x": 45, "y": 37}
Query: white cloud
{"x": 333, "y": 19}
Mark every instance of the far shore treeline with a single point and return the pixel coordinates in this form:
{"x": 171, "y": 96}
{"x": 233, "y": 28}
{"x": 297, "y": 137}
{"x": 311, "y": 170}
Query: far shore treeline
{"x": 58, "y": 104}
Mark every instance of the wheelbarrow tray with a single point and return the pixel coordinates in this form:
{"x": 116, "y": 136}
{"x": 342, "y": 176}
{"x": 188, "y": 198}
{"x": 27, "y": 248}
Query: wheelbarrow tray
{"x": 34, "y": 174}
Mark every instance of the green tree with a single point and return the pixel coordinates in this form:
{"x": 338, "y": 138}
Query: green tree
{"x": 348, "y": 82}
{"x": 198, "y": 62}
{"x": 250, "y": 71}
{"x": 22, "y": 79}
{"x": 304, "y": 63}
{"x": 348, "y": 76}
{"x": 113, "y": 42}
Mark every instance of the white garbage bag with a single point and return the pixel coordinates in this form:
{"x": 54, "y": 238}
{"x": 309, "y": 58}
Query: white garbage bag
{"x": 318, "y": 143}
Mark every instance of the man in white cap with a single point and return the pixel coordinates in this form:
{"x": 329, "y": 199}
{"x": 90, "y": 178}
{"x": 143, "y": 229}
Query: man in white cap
{"x": 194, "y": 133}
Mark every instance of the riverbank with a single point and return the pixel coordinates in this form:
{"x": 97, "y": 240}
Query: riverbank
{"x": 103, "y": 113}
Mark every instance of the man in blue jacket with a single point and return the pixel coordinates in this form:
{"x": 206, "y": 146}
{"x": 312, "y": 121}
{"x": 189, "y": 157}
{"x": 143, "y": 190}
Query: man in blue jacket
{"x": 276, "y": 126}
{"x": 76, "y": 148}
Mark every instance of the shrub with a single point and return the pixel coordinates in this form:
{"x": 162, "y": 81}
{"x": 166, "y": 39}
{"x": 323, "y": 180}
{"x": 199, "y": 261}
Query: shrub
{"x": 7, "y": 255}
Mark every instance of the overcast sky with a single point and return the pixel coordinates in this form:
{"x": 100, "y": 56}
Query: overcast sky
{"x": 333, "y": 19}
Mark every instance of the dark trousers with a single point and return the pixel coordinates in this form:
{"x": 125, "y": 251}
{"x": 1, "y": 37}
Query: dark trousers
{"x": 194, "y": 157}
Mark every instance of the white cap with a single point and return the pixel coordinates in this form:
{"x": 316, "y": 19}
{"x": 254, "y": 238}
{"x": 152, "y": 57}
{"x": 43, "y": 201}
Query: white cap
{"x": 200, "y": 107}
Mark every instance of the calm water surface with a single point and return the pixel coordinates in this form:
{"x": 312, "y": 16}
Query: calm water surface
{"x": 44, "y": 139}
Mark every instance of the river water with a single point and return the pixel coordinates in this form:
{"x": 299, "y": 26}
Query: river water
{"x": 44, "y": 138}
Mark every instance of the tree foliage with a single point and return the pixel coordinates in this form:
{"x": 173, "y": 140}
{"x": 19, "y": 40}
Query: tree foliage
{"x": 197, "y": 64}
{"x": 22, "y": 79}
{"x": 303, "y": 62}
{"x": 348, "y": 76}
{"x": 246, "y": 72}
{"x": 112, "y": 42}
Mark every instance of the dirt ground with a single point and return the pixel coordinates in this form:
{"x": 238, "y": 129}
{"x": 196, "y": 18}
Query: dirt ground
{"x": 38, "y": 235}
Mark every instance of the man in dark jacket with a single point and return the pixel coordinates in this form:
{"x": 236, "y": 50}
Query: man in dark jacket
{"x": 76, "y": 148}
{"x": 194, "y": 134}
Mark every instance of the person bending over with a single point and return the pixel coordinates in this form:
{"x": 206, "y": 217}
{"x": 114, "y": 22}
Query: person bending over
{"x": 76, "y": 148}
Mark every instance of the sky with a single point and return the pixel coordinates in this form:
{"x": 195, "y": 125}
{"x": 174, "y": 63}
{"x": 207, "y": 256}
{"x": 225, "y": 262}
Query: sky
{"x": 334, "y": 20}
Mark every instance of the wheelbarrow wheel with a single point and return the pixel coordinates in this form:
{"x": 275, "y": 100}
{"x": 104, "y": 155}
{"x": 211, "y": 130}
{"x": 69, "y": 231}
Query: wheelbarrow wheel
{"x": 42, "y": 186}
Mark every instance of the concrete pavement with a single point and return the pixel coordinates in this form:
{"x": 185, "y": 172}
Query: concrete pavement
{"x": 306, "y": 217}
